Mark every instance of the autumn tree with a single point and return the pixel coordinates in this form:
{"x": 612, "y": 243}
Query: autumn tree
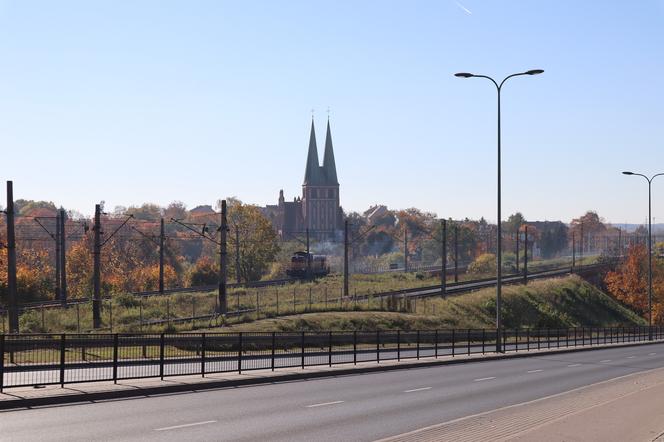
{"x": 258, "y": 245}
{"x": 629, "y": 283}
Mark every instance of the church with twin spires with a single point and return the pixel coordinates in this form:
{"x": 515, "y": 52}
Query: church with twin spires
{"x": 318, "y": 209}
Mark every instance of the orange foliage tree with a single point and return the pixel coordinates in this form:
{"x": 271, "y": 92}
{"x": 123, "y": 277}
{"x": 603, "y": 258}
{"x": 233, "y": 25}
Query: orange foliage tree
{"x": 629, "y": 283}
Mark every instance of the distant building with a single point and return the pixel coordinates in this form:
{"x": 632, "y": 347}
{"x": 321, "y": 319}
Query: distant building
{"x": 318, "y": 208}
{"x": 374, "y": 213}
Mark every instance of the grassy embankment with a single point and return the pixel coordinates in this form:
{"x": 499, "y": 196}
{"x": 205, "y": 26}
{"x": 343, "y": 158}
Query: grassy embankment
{"x": 557, "y": 302}
{"x": 127, "y": 313}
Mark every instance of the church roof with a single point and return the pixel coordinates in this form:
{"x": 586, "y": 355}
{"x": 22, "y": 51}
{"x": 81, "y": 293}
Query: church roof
{"x": 329, "y": 166}
{"x": 315, "y": 174}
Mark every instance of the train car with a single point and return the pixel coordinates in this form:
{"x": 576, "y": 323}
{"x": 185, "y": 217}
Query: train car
{"x": 298, "y": 265}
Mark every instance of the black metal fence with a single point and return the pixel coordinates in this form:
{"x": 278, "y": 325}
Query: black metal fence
{"x": 49, "y": 359}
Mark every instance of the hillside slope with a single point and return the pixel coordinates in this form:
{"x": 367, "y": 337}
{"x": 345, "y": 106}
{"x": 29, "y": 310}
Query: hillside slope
{"x": 556, "y": 302}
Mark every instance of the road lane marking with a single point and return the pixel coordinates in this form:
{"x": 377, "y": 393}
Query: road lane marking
{"x": 534, "y": 371}
{"x": 484, "y": 379}
{"x": 513, "y": 406}
{"x": 324, "y": 404}
{"x": 652, "y": 354}
{"x": 574, "y": 365}
{"x": 631, "y": 357}
{"x": 605, "y": 361}
{"x": 193, "y": 424}
{"x": 417, "y": 389}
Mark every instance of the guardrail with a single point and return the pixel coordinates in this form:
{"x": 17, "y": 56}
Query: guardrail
{"x": 47, "y": 359}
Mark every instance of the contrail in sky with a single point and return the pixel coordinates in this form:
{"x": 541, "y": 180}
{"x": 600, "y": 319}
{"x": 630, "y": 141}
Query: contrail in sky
{"x": 466, "y": 10}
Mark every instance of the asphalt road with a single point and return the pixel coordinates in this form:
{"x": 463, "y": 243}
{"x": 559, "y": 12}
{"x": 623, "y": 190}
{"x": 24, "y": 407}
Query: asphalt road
{"x": 357, "y": 407}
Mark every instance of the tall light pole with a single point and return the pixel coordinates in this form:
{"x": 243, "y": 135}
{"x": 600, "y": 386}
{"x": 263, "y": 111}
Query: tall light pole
{"x": 499, "y": 263}
{"x": 649, "y": 180}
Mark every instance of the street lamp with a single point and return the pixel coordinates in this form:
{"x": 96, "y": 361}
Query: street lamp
{"x": 649, "y": 180}
{"x": 499, "y": 269}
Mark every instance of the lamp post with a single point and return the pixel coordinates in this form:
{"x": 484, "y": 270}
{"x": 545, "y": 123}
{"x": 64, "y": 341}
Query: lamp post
{"x": 649, "y": 180}
{"x": 499, "y": 270}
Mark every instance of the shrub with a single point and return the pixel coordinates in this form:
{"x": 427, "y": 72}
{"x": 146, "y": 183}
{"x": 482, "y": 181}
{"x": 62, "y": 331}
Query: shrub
{"x": 204, "y": 272}
{"x": 484, "y": 264}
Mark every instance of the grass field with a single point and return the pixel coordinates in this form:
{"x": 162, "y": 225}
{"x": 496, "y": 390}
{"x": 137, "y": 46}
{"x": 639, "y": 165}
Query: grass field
{"x": 557, "y": 302}
{"x": 127, "y": 313}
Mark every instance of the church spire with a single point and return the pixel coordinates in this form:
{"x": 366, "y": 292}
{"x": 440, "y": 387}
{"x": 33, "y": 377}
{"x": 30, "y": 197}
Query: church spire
{"x": 311, "y": 174}
{"x": 329, "y": 166}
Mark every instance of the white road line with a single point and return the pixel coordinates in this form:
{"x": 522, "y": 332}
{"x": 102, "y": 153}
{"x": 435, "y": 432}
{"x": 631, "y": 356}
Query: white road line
{"x": 605, "y": 361}
{"x": 175, "y": 427}
{"x": 324, "y": 404}
{"x": 631, "y": 357}
{"x": 417, "y": 389}
{"x": 652, "y": 354}
{"x": 534, "y": 371}
{"x": 574, "y": 365}
{"x": 484, "y": 379}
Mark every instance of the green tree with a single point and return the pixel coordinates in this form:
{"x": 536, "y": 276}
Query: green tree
{"x": 258, "y": 245}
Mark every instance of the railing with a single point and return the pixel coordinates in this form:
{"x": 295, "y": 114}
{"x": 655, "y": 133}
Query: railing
{"x": 46, "y": 359}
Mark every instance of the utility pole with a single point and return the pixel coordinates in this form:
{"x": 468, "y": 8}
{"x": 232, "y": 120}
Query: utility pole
{"x": 620, "y": 250}
{"x": 237, "y": 255}
{"x": 456, "y": 252}
{"x": 405, "y": 249}
{"x": 517, "y": 250}
{"x": 581, "y": 249}
{"x": 161, "y": 256}
{"x": 63, "y": 258}
{"x": 96, "y": 278}
{"x": 58, "y": 274}
{"x": 443, "y": 273}
{"x": 573, "y": 251}
{"x": 223, "y": 306}
{"x": 11, "y": 261}
{"x": 525, "y": 257}
{"x": 345, "y": 258}
{"x": 308, "y": 256}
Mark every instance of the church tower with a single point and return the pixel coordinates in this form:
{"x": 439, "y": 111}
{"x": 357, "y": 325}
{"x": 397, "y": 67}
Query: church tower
{"x": 320, "y": 190}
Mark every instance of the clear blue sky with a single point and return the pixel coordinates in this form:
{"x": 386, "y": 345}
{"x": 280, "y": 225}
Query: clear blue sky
{"x": 155, "y": 101}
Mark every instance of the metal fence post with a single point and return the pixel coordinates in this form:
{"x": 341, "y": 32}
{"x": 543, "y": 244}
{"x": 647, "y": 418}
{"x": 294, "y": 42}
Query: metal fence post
{"x": 239, "y": 353}
{"x": 453, "y": 342}
{"x": 2, "y": 362}
{"x": 161, "y": 356}
{"x": 566, "y": 337}
{"x": 354, "y": 347}
{"x": 203, "y": 342}
{"x": 435, "y": 343}
{"x": 377, "y": 346}
{"x": 548, "y": 337}
{"x": 483, "y": 340}
{"x": 272, "y": 355}
{"x": 468, "y": 339}
{"x": 329, "y": 353}
{"x": 516, "y": 339}
{"x": 115, "y": 358}
{"x": 398, "y": 345}
{"x": 62, "y": 360}
{"x": 303, "y": 350}
{"x": 583, "y": 336}
{"x": 528, "y": 339}
{"x": 418, "y": 344}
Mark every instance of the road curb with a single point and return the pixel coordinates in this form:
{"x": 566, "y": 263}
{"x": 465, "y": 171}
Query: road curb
{"x": 21, "y": 403}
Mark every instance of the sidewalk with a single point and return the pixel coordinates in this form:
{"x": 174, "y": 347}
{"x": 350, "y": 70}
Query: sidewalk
{"x": 629, "y": 408}
{"x": 23, "y": 397}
